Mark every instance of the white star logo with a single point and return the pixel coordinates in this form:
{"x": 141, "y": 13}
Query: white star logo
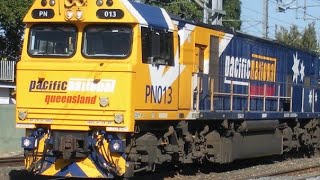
{"x": 295, "y": 68}
{"x": 310, "y": 97}
{"x": 302, "y": 72}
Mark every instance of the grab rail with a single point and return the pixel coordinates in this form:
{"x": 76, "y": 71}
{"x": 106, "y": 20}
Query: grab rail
{"x": 232, "y": 94}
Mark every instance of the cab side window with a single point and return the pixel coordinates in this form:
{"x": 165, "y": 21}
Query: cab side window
{"x": 157, "y": 47}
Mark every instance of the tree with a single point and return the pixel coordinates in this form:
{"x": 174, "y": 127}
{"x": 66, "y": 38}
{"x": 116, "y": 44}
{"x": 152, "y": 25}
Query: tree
{"x": 306, "y": 39}
{"x": 195, "y": 13}
{"x": 178, "y": 7}
{"x": 11, "y": 27}
{"x": 309, "y": 38}
{"x": 233, "y": 12}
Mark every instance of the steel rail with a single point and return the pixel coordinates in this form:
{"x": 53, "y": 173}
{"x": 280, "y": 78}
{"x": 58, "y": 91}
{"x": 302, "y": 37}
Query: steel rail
{"x": 12, "y": 161}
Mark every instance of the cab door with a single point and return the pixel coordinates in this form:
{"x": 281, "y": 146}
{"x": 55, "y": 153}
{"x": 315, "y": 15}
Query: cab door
{"x": 158, "y": 74}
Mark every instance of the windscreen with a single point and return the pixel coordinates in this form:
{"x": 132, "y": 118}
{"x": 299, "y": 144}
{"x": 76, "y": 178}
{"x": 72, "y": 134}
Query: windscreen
{"x": 107, "y": 41}
{"x": 52, "y": 40}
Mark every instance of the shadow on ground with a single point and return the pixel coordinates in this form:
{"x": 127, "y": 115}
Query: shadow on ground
{"x": 170, "y": 171}
{"x": 24, "y": 175}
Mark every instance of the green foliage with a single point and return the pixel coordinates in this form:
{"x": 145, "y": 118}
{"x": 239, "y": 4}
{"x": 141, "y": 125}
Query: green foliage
{"x": 194, "y": 12}
{"x": 307, "y": 39}
{"x": 233, "y": 12}
{"x": 187, "y": 8}
{"x": 11, "y": 27}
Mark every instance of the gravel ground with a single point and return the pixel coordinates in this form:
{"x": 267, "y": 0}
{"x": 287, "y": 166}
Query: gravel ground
{"x": 255, "y": 171}
{"x": 246, "y": 169}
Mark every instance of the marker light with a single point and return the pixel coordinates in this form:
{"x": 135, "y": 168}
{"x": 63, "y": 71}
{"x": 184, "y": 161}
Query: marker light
{"x": 43, "y": 2}
{"x": 69, "y": 14}
{"x": 79, "y": 14}
{"x": 22, "y": 115}
{"x": 99, "y": 2}
{"x": 52, "y": 2}
{"x": 118, "y": 118}
{"x": 109, "y": 2}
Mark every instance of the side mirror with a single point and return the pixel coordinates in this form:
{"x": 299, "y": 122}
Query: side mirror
{"x": 155, "y": 50}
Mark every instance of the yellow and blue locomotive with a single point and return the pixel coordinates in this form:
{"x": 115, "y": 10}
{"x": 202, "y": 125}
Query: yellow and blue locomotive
{"x": 109, "y": 88}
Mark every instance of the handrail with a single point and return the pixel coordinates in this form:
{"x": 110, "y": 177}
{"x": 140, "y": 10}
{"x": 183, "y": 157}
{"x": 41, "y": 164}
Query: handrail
{"x": 264, "y": 96}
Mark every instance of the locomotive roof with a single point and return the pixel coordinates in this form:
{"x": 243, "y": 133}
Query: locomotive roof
{"x": 150, "y": 15}
{"x": 240, "y": 34}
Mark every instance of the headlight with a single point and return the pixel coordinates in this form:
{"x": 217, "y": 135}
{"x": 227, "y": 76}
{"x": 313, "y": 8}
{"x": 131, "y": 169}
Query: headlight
{"x": 69, "y": 14}
{"x": 79, "y": 14}
{"x": 28, "y": 142}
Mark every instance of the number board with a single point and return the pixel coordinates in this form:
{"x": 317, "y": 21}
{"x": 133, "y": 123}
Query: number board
{"x": 42, "y": 13}
{"x": 110, "y": 13}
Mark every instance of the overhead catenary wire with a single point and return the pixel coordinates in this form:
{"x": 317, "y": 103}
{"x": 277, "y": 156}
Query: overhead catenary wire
{"x": 277, "y": 19}
{"x": 299, "y": 10}
{"x": 273, "y": 33}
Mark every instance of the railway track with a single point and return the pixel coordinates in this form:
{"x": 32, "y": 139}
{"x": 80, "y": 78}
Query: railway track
{"x": 296, "y": 168}
{"x": 12, "y": 161}
{"x": 300, "y": 173}
{"x": 301, "y": 168}
{"x": 293, "y": 169}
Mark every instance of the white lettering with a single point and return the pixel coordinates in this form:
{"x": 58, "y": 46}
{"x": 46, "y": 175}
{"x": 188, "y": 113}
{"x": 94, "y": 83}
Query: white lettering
{"x": 88, "y": 85}
{"x": 231, "y": 66}
{"x": 240, "y": 67}
{"x": 111, "y": 14}
{"x": 227, "y": 66}
{"x": 236, "y": 65}
{"x": 43, "y": 13}
{"x": 248, "y": 69}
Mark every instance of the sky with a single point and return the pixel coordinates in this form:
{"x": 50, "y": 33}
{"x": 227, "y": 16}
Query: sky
{"x": 252, "y": 15}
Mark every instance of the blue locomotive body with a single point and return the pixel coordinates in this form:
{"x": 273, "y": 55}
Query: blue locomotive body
{"x": 261, "y": 79}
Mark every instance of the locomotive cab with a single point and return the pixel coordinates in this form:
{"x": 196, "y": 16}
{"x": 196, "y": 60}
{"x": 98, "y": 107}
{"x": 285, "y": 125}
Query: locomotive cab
{"x": 77, "y": 83}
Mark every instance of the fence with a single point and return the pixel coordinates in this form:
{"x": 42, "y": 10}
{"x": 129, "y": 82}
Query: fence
{"x": 7, "y": 70}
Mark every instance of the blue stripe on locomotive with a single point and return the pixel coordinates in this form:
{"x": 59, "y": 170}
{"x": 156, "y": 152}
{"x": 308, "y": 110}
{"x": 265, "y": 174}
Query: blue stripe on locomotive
{"x": 275, "y": 65}
{"x": 152, "y": 15}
